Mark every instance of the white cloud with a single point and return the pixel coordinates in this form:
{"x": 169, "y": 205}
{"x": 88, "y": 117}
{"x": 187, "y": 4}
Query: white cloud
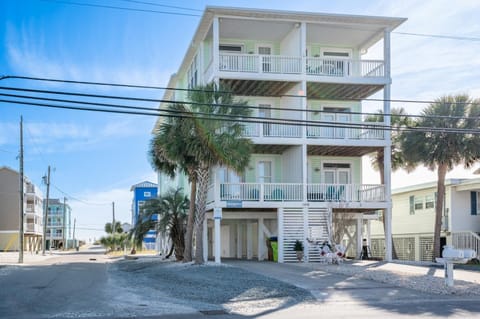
{"x": 27, "y": 55}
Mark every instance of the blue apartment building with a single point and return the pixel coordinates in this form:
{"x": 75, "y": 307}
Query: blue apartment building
{"x": 143, "y": 192}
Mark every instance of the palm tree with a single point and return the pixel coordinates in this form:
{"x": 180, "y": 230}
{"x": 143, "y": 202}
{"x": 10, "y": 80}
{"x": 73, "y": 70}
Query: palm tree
{"x": 443, "y": 150}
{"x": 168, "y": 155}
{"x": 215, "y": 141}
{"x": 171, "y": 210}
{"x": 118, "y": 228}
{"x": 398, "y": 120}
{"x": 207, "y": 134}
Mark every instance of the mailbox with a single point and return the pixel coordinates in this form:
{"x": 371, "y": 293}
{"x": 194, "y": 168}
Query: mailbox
{"x": 469, "y": 253}
{"x": 454, "y": 256}
{"x": 450, "y": 253}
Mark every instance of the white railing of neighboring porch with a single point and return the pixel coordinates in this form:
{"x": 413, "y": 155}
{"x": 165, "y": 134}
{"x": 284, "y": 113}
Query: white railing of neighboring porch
{"x": 272, "y": 130}
{"x": 294, "y": 192}
{"x": 466, "y": 240}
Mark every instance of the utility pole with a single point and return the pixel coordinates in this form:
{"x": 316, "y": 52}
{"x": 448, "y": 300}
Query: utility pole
{"x": 64, "y": 223}
{"x": 113, "y": 218}
{"x": 46, "y": 180}
{"x": 22, "y": 215}
{"x": 74, "y": 242}
{"x": 113, "y": 226}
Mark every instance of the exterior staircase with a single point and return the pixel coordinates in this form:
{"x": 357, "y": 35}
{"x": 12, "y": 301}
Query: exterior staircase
{"x": 466, "y": 240}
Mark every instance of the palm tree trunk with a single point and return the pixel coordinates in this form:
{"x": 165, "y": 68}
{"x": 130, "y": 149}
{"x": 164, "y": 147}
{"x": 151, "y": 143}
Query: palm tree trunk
{"x": 203, "y": 173}
{"x": 190, "y": 221}
{"x": 177, "y": 236}
{"x": 442, "y": 172}
{"x": 171, "y": 252}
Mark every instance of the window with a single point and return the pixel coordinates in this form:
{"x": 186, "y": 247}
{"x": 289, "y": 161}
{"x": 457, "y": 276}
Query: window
{"x": 230, "y": 47}
{"x": 418, "y": 203}
{"x": 336, "y": 54}
{"x": 140, "y": 205}
{"x": 147, "y": 194}
{"x": 429, "y": 201}
{"x": 192, "y": 74}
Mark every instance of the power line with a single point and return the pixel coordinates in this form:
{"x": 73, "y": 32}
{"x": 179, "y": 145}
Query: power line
{"x": 162, "y": 5}
{"x": 209, "y": 91}
{"x": 123, "y": 8}
{"x": 70, "y": 197}
{"x": 237, "y": 119}
{"x": 441, "y": 36}
{"x": 138, "y": 99}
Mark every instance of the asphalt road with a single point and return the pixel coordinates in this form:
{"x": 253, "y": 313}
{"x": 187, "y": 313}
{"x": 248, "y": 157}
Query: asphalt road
{"x": 83, "y": 285}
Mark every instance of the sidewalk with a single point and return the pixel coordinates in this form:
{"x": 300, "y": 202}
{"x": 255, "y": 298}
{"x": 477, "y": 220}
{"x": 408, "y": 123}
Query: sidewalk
{"x": 424, "y": 279}
{"x": 11, "y": 258}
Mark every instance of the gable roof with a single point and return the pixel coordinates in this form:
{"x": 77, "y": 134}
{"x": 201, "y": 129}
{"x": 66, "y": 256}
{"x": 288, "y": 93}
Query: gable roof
{"x": 144, "y": 184}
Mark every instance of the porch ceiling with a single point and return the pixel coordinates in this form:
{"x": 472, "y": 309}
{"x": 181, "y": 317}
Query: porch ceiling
{"x": 269, "y": 148}
{"x": 336, "y": 150}
{"x": 258, "y": 88}
{"x": 325, "y": 91}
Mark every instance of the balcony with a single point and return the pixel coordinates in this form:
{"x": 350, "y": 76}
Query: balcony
{"x": 291, "y": 192}
{"x": 316, "y": 67}
{"x": 323, "y": 130}
{"x": 32, "y": 228}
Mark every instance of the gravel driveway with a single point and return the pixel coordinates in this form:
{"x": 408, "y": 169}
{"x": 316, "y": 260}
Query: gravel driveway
{"x": 228, "y": 289}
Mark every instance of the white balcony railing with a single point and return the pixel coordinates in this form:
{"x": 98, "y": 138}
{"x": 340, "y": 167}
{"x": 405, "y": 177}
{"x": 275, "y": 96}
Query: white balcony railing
{"x": 332, "y": 130}
{"x": 272, "y": 130}
{"x": 32, "y": 228}
{"x": 347, "y": 130}
{"x": 258, "y": 63}
{"x": 266, "y": 192}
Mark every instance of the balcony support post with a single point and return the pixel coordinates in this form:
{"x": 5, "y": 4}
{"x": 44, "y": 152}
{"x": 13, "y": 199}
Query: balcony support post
{"x": 216, "y": 45}
{"x": 359, "y": 235}
{"x": 387, "y": 152}
{"x": 280, "y": 235}
{"x": 261, "y": 239}
{"x": 249, "y": 240}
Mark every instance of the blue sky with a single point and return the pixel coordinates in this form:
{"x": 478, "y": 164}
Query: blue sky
{"x": 97, "y": 157}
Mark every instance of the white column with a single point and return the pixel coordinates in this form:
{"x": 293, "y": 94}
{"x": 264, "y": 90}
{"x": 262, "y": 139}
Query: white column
{"x": 205, "y": 240}
{"x": 280, "y": 235}
{"x": 218, "y": 245}
{"x": 387, "y": 150}
{"x": 369, "y": 233}
{"x": 305, "y": 233}
{"x": 216, "y": 42}
{"x": 359, "y": 236}
{"x": 249, "y": 240}
{"x": 239, "y": 240}
{"x": 261, "y": 240}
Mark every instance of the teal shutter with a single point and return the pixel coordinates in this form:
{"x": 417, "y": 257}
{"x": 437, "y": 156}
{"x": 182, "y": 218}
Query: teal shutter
{"x": 473, "y": 203}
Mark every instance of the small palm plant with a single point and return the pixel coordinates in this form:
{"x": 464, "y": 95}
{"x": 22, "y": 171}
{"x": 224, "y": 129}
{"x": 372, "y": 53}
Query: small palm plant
{"x": 298, "y": 248}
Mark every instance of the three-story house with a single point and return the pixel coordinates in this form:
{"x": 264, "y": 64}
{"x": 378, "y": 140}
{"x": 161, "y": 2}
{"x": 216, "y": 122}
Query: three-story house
{"x": 306, "y": 75}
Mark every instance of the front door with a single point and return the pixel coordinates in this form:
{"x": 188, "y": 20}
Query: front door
{"x": 264, "y": 172}
{"x": 265, "y": 112}
{"x": 336, "y": 174}
{"x": 266, "y": 59}
{"x": 336, "y": 115}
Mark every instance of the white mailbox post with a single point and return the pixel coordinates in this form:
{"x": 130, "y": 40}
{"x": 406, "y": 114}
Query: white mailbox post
{"x": 453, "y": 256}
